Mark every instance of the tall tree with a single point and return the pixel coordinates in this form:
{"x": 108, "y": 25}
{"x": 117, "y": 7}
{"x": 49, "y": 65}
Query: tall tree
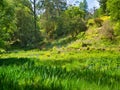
{"x": 7, "y": 20}
{"x": 103, "y": 6}
{"x": 52, "y": 11}
{"x": 34, "y": 3}
{"x": 35, "y": 8}
{"x": 114, "y": 7}
{"x": 26, "y": 24}
{"x": 84, "y": 6}
{"x": 73, "y": 23}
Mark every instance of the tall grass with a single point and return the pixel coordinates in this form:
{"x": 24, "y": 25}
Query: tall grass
{"x": 60, "y": 71}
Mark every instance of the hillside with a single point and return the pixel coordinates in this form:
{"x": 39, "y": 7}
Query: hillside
{"x": 93, "y": 39}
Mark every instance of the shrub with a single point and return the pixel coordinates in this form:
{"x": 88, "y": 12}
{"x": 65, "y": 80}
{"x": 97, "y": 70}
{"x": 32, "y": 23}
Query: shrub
{"x": 104, "y": 18}
{"x": 77, "y": 25}
{"x": 1, "y": 43}
{"x": 2, "y": 50}
{"x": 90, "y": 22}
{"x": 117, "y": 29}
{"x": 98, "y": 22}
{"x": 107, "y": 31}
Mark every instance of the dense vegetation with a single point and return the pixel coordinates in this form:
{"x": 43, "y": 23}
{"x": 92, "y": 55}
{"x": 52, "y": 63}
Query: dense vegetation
{"x": 50, "y": 45}
{"x": 51, "y": 70}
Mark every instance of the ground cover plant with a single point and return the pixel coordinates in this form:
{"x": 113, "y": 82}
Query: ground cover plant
{"x": 53, "y": 70}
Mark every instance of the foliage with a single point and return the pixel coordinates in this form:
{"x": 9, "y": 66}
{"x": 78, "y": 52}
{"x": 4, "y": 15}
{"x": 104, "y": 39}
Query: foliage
{"x": 49, "y": 70}
{"x": 90, "y": 22}
{"x": 22, "y": 21}
{"x": 97, "y": 13}
{"x": 16, "y": 24}
{"x": 117, "y": 29}
{"x": 103, "y": 6}
{"x": 84, "y": 7}
{"x": 95, "y": 22}
{"x": 105, "y": 18}
{"x": 98, "y": 22}
{"x": 69, "y": 22}
{"x": 107, "y": 30}
{"x": 114, "y": 7}
{"x": 74, "y": 23}
{"x": 2, "y": 51}
{"x": 7, "y": 21}
{"x": 50, "y": 17}
{"x": 25, "y": 33}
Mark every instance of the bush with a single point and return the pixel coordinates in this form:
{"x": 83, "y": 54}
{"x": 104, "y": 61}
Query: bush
{"x": 107, "y": 31}
{"x": 98, "y": 22}
{"x": 90, "y": 23}
{"x": 117, "y": 29}
{"x": 95, "y": 22}
{"x": 1, "y": 43}
{"x": 77, "y": 25}
{"x": 2, "y": 50}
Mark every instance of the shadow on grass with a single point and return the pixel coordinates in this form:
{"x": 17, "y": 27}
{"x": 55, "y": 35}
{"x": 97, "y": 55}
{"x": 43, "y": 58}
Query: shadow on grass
{"x": 14, "y": 61}
{"x": 11, "y": 85}
{"x": 46, "y": 70}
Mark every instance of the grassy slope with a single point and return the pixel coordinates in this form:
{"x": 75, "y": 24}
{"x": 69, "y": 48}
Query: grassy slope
{"x": 92, "y": 40}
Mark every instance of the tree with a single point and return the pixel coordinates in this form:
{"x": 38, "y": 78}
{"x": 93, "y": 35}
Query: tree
{"x": 26, "y": 24}
{"x": 34, "y": 3}
{"x": 73, "y": 21}
{"x": 34, "y": 9}
{"x": 84, "y": 6}
{"x": 7, "y": 21}
{"x": 97, "y": 12}
{"x": 114, "y": 7}
{"x": 103, "y": 6}
{"x": 60, "y": 5}
{"x": 52, "y": 11}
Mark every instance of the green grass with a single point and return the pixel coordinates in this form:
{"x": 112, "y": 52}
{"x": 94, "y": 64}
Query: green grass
{"x": 60, "y": 70}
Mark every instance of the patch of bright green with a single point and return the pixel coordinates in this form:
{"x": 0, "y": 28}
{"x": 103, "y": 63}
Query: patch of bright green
{"x": 104, "y": 18}
{"x": 59, "y": 69}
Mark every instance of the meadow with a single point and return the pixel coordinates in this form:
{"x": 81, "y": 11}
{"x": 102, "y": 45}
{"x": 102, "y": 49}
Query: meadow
{"x": 60, "y": 70}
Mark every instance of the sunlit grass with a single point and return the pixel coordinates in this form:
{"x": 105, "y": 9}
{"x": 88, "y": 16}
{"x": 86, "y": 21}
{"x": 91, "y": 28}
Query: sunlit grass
{"x": 60, "y": 70}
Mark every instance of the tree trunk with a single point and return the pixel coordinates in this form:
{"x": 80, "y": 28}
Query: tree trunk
{"x": 35, "y": 18}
